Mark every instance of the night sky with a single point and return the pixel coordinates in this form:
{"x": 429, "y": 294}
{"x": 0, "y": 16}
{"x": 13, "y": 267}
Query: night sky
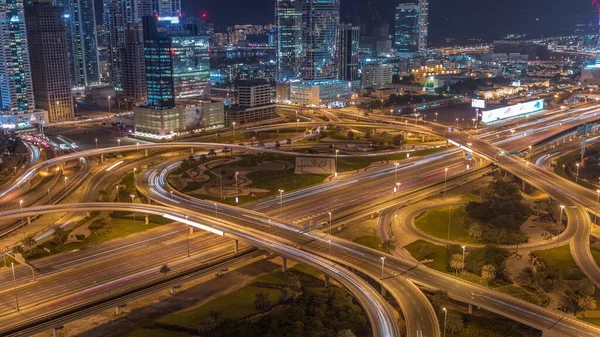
{"x": 448, "y": 18}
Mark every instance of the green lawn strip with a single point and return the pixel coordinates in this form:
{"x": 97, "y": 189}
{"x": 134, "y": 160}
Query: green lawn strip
{"x": 439, "y": 255}
{"x": 479, "y": 326}
{"x": 561, "y": 259}
{"x": 142, "y": 332}
{"x": 371, "y": 241}
{"x": 235, "y": 305}
{"x": 595, "y": 248}
{"x": 357, "y": 163}
{"x": 569, "y": 159}
{"x": 591, "y": 320}
{"x": 435, "y": 223}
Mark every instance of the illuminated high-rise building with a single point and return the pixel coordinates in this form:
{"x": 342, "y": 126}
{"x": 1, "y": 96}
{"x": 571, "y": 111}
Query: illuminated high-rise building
{"x": 349, "y": 58}
{"x": 320, "y": 39}
{"x": 16, "y": 89}
{"x": 288, "y": 16}
{"x": 423, "y": 24}
{"x": 47, "y": 39}
{"x": 407, "y": 33}
{"x": 133, "y": 71}
{"x": 177, "y": 62}
{"x": 82, "y": 41}
{"x": 166, "y": 8}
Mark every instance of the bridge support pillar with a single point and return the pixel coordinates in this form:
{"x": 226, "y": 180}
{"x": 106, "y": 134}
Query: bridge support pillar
{"x": 447, "y": 144}
{"x": 192, "y": 231}
{"x": 283, "y": 264}
{"x": 102, "y": 157}
{"x": 87, "y": 214}
{"x": 146, "y": 219}
{"x": 236, "y": 246}
{"x": 117, "y": 310}
{"x": 146, "y": 152}
{"x": 191, "y": 150}
{"x": 470, "y": 308}
{"x": 326, "y": 281}
{"x": 383, "y": 291}
{"x": 29, "y": 220}
{"x": 56, "y": 332}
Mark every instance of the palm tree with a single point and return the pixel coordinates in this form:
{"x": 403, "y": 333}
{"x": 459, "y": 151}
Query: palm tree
{"x": 262, "y": 302}
{"x": 286, "y": 295}
{"x": 388, "y": 246}
{"x": 60, "y": 234}
{"x": 457, "y": 263}
{"x": 454, "y": 322}
{"x": 440, "y": 299}
{"x": 294, "y": 282}
{"x": 277, "y": 145}
{"x": 488, "y": 272}
{"x": 288, "y": 142}
{"x": 215, "y": 316}
{"x": 586, "y": 287}
{"x": 586, "y": 303}
{"x": 346, "y": 333}
{"x": 29, "y": 241}
{"x": 164, "y": 269}
{"x": 212, "y": 153}
{"x": 527, "y": 277}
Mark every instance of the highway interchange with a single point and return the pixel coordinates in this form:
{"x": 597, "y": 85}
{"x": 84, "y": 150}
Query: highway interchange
{"x": 420, "y": 176}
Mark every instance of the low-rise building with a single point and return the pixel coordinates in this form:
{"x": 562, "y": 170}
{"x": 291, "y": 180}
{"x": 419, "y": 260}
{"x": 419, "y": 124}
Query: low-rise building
{"x": 326, "y": 93}
{"x": 255, "y": 103}
{"x": 377, "y": 75}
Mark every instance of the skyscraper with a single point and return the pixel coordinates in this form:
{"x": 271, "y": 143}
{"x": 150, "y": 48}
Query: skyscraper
{"x": 349, "y": 43}
{"x": 82, "y": 42}
{"x": 407, "y": 33}
{"x": 423, "y": 24}
{"x": 133, "y": 71}
{"x": 320, "y": 39}
{"x": 288, "y": 17}
{"x": 47, "y": 39}
{"x": 117, "y": 14}
{"x": 16, "y": 89}
{"x": 177, "y": 62}
{"x": 166, "y": 8}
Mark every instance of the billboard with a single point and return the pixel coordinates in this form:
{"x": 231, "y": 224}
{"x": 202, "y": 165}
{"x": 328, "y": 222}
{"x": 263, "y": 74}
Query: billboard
{"x": 311, "y": 165}
{"x": 478, "y": 103}
{"x": 194, "y": 117}
{"x": 490, "y": 116}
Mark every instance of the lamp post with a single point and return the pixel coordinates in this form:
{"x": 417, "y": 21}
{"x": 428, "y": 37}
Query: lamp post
{"x": 117, "y": 186}
{"x": 562, "y": 207}
{"x": 66, "y": 181}
{"x": 96, "y": 142}
{"x": 108, "y": 104}
{"x": 137, "y": 147}
{"x": 133, "y": 202}
{"x": 445, "y": 180}
{"x": 396, "y": 171}
{"x": 297, "y": 127}
{"x": 280, "y": 202}
{"x": 445, "y": 319}
{"x": 134, "y": 170}
{"x": 172, "y": 201}
{"x": 577, "y": 174}
{"x": 12, "y": 265}
{"x": 463, "y": 248}
{"x": 330, "y": 222}
{"x": 119, "y": 142}
{"x": 187, "y": 239}
{"x": 216, "y": 210}
{"x": 21, "y": 210}
{"x": 233, "y": 138}
{"x": 236, "y": 187}
{"x": 382, "y": 267}
{"x": 336, "y": 161}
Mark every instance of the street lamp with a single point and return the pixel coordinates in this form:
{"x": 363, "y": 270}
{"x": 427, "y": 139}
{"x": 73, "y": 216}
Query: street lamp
{"x": 172, "y": 198}
{"x": 330, "y": 222}
{"x": 119, "y": 141}
{"x": 108, "y": 104}
{"x": 96, "y": 142}
{"x": 445, "y": 319}
{"x": 280, "y": 202}
{"x": 396, "y": 171}
{"x": 21, "y": 207}
{"x": 187, "y": 238}
{"x": 137, "y": 147}
{"x": 133, "y": 202}
{"x": 463, "y": 248}
{"x": 336, "y": 161}
{"x": 236, "y": 187}
{"x": 577, "y": 175}
{"x": 297, "y": 127}
{"x": 66, "y": 181}
{"x": 445, "y": 180}
{"x": 12, "y": 265}
{"x": 134, "y": 169}
{"x": 562, "y": 207}
{"x": 233, "y": 140}
{"x": 117, "y": 186}
{"x": 382, "y": 267}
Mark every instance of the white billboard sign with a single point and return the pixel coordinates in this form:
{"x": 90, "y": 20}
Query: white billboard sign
{"x": 512, "y": 111}
{"x": 478, "y": 103}
{"x": 312, "y": 165}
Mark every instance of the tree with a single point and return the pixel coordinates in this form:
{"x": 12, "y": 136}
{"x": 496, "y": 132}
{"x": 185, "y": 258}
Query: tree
{"x": 402, "y": 326}
{"x": 586, "y": 287}
{"x": 440, "y": 299}
{"x": 488, "y": 272}
{"x": 262, "y": 302}
{"x": 286, "y": 295}
{"x": 457, "y": 263}
{"x": 425, "y": 251}
{"x": 454, "y": 322}
{"x": 350, "y": 135}
{"x": 586, "y": 303}
{"x": 164, "y": 269}
{"x": 212, "y": 153}
{"x": 215, "y": 316}
{"x": 294, "y": 282}
{"x": 277, "y": 145}
{"x": 475, "y": 230}
{"x": 388, "y": 246}
{"x": 60, "y": 234}
{"x": 527, "y": 278}
{"x": 398, "y": 140}
{"x": 29, "y": 241}
{"x": 18, "y": 249}
{"x": 288, "y": 142}
{"x": 346, "y": 333}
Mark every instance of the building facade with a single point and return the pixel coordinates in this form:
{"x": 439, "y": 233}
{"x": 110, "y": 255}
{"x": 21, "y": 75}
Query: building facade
{"x": 320, "y": 39}
{"x": 16, "y": 88}
{"x": 288, "y": 16}
{"x": 47, "y": 39}
{"x": 407, "y": 33}
{"x": 423, "y": 24}
{"x": 133, "y": 71}
{"x": 377, "y": 75}
{"x": 255, "y": 103}
{"x": 349, "y": 57}
{"x": 82, "y": 42}
{"x": 326, "y": 93}
{"x": 166, "y": 8}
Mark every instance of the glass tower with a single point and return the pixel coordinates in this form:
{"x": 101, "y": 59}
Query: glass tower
{"x": 166, "y": 8}
{"x": 423, "y": 24}
{"x": 320, "y": 37}
{"x": 407, "y": 34}
{"x": 177, "y": 62}
{"x": 288, "y": 15}
{"x": 80, "y": 18}
{"x": 16, "y": 89}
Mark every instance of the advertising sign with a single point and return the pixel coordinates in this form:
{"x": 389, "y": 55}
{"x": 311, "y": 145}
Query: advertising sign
{"x": 478, "y": 103}
{"x": 311, "y": 165}
{"x": 512, "y": 111}
{"x": 194, "y": 118}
